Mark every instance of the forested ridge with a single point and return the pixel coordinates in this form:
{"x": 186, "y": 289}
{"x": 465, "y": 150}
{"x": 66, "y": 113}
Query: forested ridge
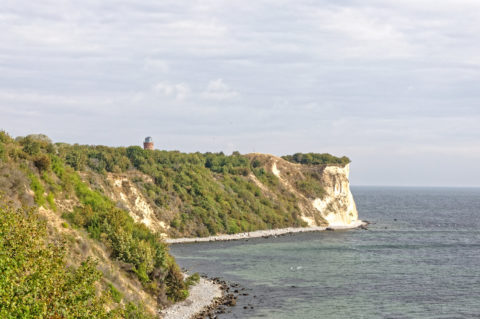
{"x": 201, "y": 194}
{"x": 195, "y": 194}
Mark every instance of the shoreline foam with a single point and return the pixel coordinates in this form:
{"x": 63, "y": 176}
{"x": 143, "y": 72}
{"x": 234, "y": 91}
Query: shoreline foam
{"x": 263, "y": 233}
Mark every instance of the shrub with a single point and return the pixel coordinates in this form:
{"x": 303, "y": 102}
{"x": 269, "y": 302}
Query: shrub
{"x": 136, "y": 311}
{"x": 42, "y": 162}
{"x": 30, "y": 146}
{"x": 117, "y": 296}
{"x": 51, "y": 202}
{"x": 3, "y": 154}
{"x": 37, "y": 188}
{"x": 5, "y": 138}
{"x": 176, "y": 288}
{"x": 192, "y": 280}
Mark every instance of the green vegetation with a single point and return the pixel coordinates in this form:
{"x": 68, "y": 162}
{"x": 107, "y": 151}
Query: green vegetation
{"x": 208, "y": 193}
{"x": 211, "y": 193}
{"x": 37, "y": 188}
{"x": 129, "y": 242}
{"x": 193, "y": 279}
{"x": 195, "y": 194}
{"x": 116, "y": 295}
{"x": 316, "y": 159}
{"x": 35, "y": 280}
{"x": 310, "y": 186}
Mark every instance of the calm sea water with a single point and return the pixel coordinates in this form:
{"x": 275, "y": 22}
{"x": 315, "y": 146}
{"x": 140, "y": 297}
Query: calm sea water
{"x": 420, "y": 258}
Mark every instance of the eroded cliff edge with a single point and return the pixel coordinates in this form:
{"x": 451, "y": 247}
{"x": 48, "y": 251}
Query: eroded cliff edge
{"x": 113, "y": 204}
{"x": 334, "y": 207}
{"x": 302, "y": 195}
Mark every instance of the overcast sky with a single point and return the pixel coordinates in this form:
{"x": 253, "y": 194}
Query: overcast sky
{"x": 394, "y": 85}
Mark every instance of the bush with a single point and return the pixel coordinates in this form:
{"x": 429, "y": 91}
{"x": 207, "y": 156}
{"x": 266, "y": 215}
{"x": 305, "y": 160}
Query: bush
{"x": 135, "y": 311}
{"x": 5, "y": 138}
{"x": 117, "y": 296}
{"x": 192, "y": 280}
{"x": 37, "y": 188}
{"x": 51, "y": 202}
{"x": 42, "y": 162}
{"x": 176, "y": 288}
{"x": 30, "y": 146}
{"x": 3, "y": 155}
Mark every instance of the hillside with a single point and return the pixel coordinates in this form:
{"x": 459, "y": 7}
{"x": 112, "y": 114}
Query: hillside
{"x": 109, "y": 208}
{"x": 197, "y": 195}
{"x": 66, "y": 250}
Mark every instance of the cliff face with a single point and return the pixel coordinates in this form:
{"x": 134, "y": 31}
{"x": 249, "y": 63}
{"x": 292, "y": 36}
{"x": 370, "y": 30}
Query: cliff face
{"x": 334, "y": 206}
{"x": 338, "y": 207}
{"x": 320, "y": 194}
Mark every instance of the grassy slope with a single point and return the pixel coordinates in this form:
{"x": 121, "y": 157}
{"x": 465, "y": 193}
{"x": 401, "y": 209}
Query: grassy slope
{"x": 32, "y": 175}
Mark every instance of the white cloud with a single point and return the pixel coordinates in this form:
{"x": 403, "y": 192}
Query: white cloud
{"x": 36, "y": 100}
{"x": 219, "y": 90}
{"x": 179, "y": 91}
{"x": 369, "y": 32}
{"x": 301, "y": 67}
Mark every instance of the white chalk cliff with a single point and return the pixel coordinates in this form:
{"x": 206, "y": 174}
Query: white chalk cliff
{"x": 335, "y": 208}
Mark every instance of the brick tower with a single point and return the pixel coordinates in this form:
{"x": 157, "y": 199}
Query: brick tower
{"x": 148, "y": 143}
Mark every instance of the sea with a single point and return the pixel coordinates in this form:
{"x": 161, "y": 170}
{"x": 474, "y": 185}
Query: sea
{"x": 419, "y": 258}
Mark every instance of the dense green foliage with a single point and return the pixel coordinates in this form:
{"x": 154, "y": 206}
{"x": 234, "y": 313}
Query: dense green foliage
{"x": 196, "y": 194}
{"x": 130, "y": 242}
{"x": 35, "y": 281}
{"x": 33, "y": 162}
{"x": 316, "y": 159}
{"x": 211, "y": 193}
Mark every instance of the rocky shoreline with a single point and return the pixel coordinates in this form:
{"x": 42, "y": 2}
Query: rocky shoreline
{"x": 231, "y": 291}
{"x": 213, "y": 296}
{"x": 207, "y": 299}
{"x": 202, "y": 295}
{"x": 264, "y": 233}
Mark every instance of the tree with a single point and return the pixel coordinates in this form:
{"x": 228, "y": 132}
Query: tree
{"x": 30, "y": 146}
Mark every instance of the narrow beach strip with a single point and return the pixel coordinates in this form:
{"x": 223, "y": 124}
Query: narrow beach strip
{"x": 201, "y": 295}
{"x": 263, "y": 233}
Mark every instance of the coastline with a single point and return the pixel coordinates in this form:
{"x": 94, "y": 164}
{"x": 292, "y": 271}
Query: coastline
{"x": 209, "y": 294}
{"x": 202, "y": 295}
{"x": 264, "y": 233}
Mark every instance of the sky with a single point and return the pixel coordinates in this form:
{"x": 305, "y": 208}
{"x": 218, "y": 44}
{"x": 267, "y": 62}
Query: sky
{"x": 394, "y": 85}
